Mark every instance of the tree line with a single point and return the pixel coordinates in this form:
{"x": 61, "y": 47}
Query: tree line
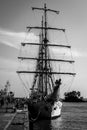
{"x": 73, "y": 96}
{"x": 8, "y": 100}
{"x": 7, "y": 97}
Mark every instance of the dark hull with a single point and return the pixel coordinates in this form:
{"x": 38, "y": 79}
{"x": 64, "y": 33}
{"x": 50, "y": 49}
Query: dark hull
{"x": 45, "y": 108}
{"x": 41, "y": 110}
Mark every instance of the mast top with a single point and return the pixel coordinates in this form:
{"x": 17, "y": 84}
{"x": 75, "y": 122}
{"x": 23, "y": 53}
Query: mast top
{"x": 45, "y": 9}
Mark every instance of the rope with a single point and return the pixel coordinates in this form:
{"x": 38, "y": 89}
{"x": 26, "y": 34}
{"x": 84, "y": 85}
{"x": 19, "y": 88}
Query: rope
{"x": 23, "y": 82}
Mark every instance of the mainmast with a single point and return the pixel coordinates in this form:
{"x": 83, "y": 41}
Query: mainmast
{"x": 45, "y": 43}
{"x": 45, "y": 40}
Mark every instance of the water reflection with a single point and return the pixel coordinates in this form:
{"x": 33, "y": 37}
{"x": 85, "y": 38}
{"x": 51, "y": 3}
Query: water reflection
{"x": 46, "y": 124}
{"x": 69, "y": 120}
{"x": 40, "y": 125}
{"x": 56, "y": 124}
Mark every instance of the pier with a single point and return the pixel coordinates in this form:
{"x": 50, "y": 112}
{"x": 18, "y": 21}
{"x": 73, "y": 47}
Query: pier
{"x": 14, "y": 121}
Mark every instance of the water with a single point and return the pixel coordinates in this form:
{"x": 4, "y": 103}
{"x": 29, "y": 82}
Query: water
{"x": 74, "y": 117}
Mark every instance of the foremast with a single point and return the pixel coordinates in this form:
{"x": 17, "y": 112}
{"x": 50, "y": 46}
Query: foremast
{"x": 43, "y": 59}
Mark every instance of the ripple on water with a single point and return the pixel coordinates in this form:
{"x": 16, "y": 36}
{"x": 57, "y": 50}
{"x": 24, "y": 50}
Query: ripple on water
{"x": 74, "y": 117}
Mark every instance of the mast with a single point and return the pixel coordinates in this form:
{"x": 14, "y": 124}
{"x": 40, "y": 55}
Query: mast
{"x": 43, "y": 72}
{"x": 42, "y": 53}
{"x": 45, "y": 40}
{"x": 45, "y": 43}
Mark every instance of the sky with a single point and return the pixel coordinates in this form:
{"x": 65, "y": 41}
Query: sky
{"x": 16, "y": 15}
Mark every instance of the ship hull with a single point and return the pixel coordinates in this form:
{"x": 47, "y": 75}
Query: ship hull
{"x": 44, "y": 110}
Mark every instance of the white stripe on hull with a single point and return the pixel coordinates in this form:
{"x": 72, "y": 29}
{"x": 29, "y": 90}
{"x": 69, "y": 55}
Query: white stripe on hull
{"x": 56, "y": 110}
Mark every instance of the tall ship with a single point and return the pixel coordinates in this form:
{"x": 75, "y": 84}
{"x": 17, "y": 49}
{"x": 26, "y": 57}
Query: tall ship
{"x": 47, "y": 80}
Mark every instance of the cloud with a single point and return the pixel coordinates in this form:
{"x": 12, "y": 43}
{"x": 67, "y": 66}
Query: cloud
{"x": 79, "y": 53}
{"x": 14, "y": 39}
{"x": 8, "y": 65}
{"x": 9, "y": 44}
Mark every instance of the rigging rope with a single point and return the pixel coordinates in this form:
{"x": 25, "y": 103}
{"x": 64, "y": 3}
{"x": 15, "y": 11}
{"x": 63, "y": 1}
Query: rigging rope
{"x": 23, "y": 83}
{"x": 70, "y": 49}
{"x": 68, "y": 84}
